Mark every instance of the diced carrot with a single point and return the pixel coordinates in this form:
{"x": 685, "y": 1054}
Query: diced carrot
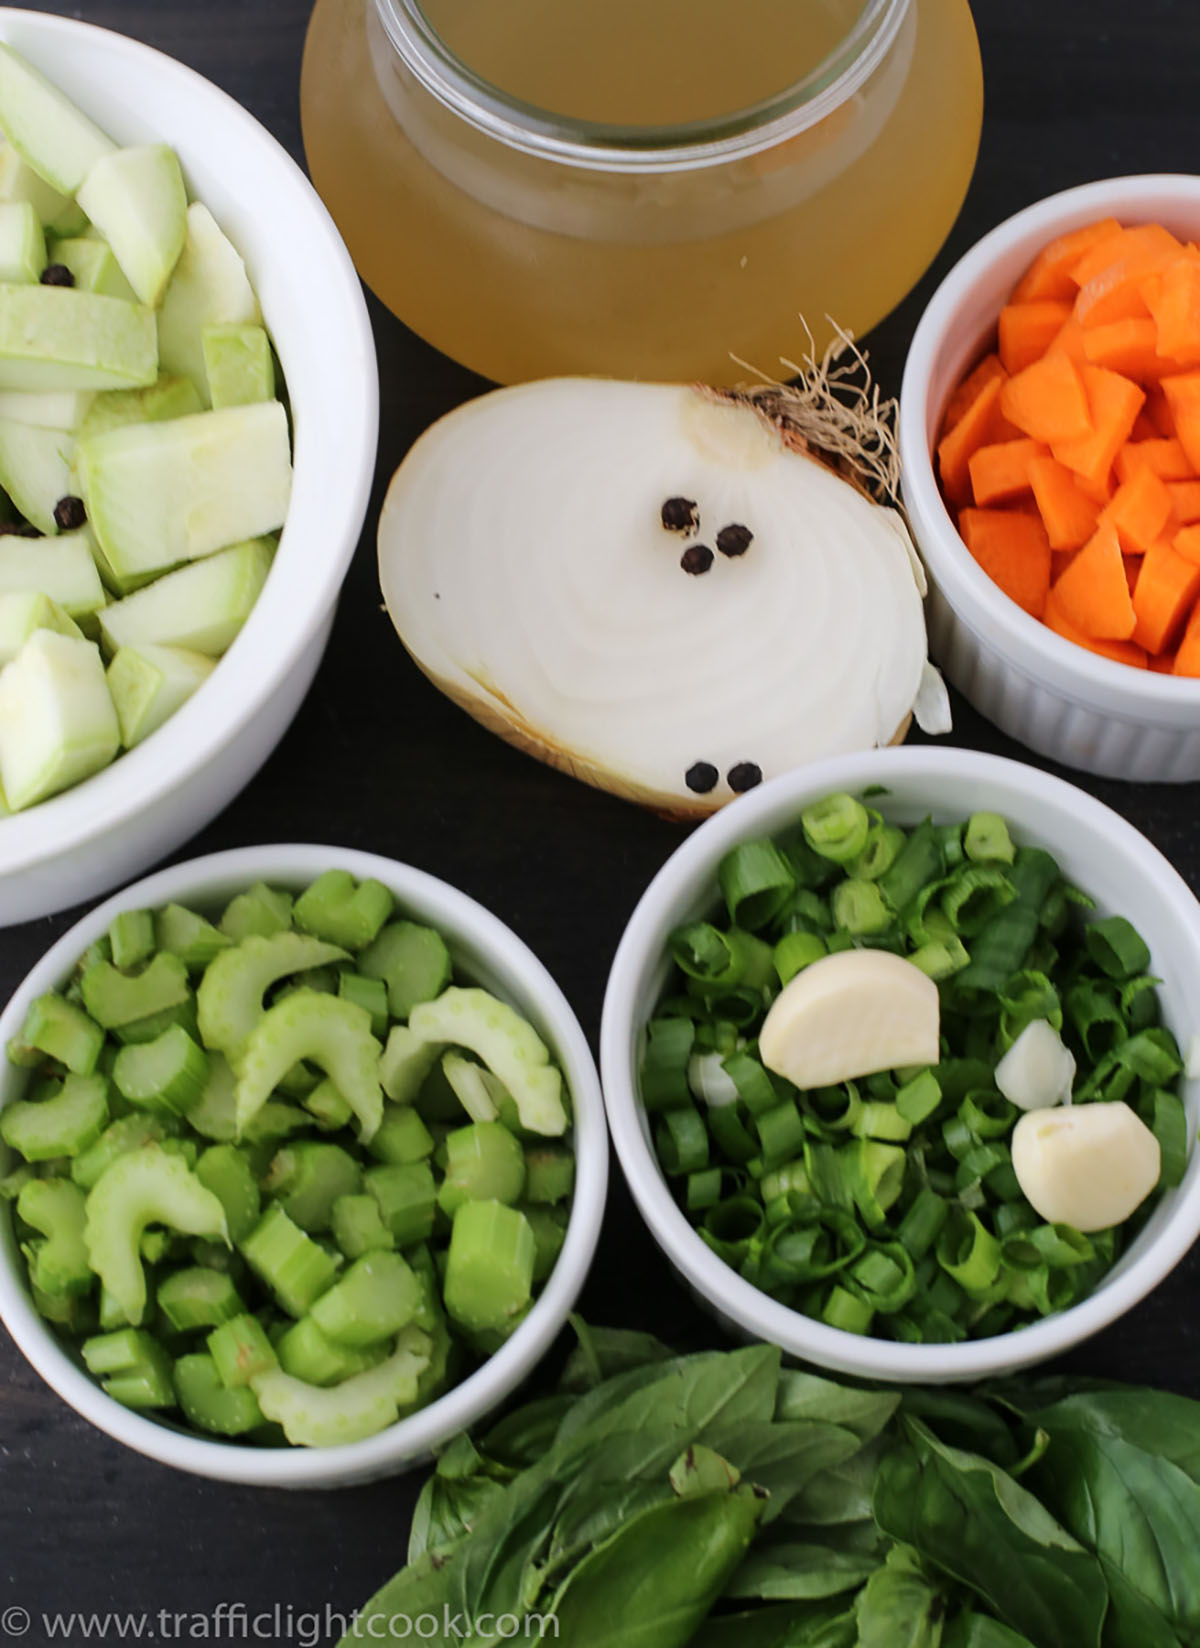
{"x": 1182, "y": 393}
{"x": 1162, "y": 457}
{"x": 1027, "y": 330}
{"x": 1048, "y": 401}
{"x": 1092, "y": 593}
{"x": 1049, "y": 275}
{"x": 1000, "y": 472}
{"x": 1187, "y": 658}
{"x": 1186, "y": 542}
{"x": 1129, "y": 347}
{"x": 1012, "y": 548}
{"x": 1185, "y": 501}
{"x": 1165, "y": 592}
{"x": 1111, "y": 296}
{"x": 1140, "y": 509}
{"x": 1071, "y": 341}
{"x": 1138, "y": 250}
{"x": 988, "y": 368}
{"x": 1121, "y": 652}
{"x": 1060, "y": 560}
{"x": 1114, "y": 403}
{"x": 1177, "y": 313}
{"x": 1068, "y": 514}
{"x": 1144, "y": 428}
{"x": 981, "y": 424}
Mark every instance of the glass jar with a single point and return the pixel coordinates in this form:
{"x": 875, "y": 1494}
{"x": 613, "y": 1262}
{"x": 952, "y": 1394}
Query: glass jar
{"x": 525, "y": 244}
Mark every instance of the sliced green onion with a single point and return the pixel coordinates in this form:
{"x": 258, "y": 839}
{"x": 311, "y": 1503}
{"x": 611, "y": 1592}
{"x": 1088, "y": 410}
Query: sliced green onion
{"x": 703, "y": 1189}
{"x": 975, "y": 896}
{"x": 795, "y": 951}
{"x": 859, "y": 908}
{"x": 832, "y": 1109}
{"x": 879, "y": 1120}
{"x": 1027, "y": 996}
{"x": 732, "y": 1138}
{"x": 875, "y": 1174}
{"x": 682, "y": 1141}
{"x": 731, "y": 1226}
{"x": 1166, "y": 1118}
{"x": 781, "y": 1133}
{"x": 1094, "y": 1016}
{"x": 846, "y": 1311}
{"x": 922, "y": 1224}
{"x": 1139, "y": 1002}
{"x": 1116, "y": 947}
{"x": 884, "y": 845}
{"x": 919, "y": 1098}
{"x": 1152, "y": 1055}
{"x": 885, "y": 1275}
{"x": 988, "y": 1115}
{"x": 836, "y": 827}
{"x": 920, "y": 861}
{"x": 999, "y": 950}
{"x": 756, "y": 882}
{"x": 756, "y": 1087}
{"x": 665, "y": 1063}
{"x": 969, "y": 1253}
{"x": 941, "y": 958}
{"x": 806, "y": 912}
{"x": 986, "y": 837}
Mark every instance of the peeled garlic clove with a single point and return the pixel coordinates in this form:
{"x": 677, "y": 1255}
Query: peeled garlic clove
{"x": 650, "y": 587}
{"x": 848, "y": 1015}
{"x": 1037, "y": 1071}
{"x": 1086, "y": 1165}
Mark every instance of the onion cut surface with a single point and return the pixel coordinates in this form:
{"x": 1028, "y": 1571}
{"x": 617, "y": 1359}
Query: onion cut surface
{"x": 526, "y": 567}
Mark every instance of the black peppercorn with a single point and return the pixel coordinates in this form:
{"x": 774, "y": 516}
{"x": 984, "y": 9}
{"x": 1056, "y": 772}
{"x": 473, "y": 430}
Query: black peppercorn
{"x": 696, "y": 558}
{"x": 57, "y": 274}
{"x": 69, "y": 514}
{"x": 680, "y": 515}
{"x": 744, "y": 776}
{"x": 701, "y": 777}
{"x": 734, "y": 539}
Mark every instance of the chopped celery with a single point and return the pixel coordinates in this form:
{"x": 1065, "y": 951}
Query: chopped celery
{"x": 118, "y": 1139}
{"x": 307, "y": 1178}
{"x": 549, "y": 1228}
{"x": 131, "y": 938}
{"x": 412, "y": 961}
{"x": 74, "y": 1313}
{"x": 549, "y": 1173}
{"x": 332, "y": 1033}
{"x": 56, "y": 1209}
{"x": 68, "y": 1122}
{"x": 146, "y": 1186}
{"x": 357, "y": 1408}
{"x": 189, "y": 936}
{"x": 226, "y": 1171}
{"x": 338, "y": 909}
{"x": 12, "y": 1184}
{"x": 111, "y": 1314}
{"x": 407, "y": 1199}
{"x": 293, "y": 1266}
{"x": 358, "y": 1226}
{"x": 198, "y": 1298}
{"x": 369, "y": 994}
{"x": 214, "y": 1114}
{"x": 402, "y": 1136}
{"x": 133, "y": 1368}
{"x": 259, "y": 912}
{"x": 507, "y": 1044}
{"x": 210, "y": 1405}
{"x": 308, "y": 1354}
{"x": 114, "y": 998}
{"x": 168, "y": 1074}
{"x": 182, "y": 1013}
{"x": 483, "y": 1163}
{"x": 489, "y": 1267}
{"x": 377, "y": 1296}
{"x": 240, "y": 1348}
{"x": 478, "y": 1091}
{"x": 405, "y": 1063}
{"x": 57, "y": 1028}
{"x": 230, "y": 995}
{"x": 327, "y": 1107}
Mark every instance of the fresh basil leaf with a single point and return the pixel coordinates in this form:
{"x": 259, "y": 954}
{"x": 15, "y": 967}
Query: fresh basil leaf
{"x": 1132, "y": 1622}
{"x": 964, "y": 1421}
{"x": 1157, "y": 1422}
{"x": 781, "y": 1625}
{"x": 421, "y": 1589}
{"x": 796, "y": 1571}
{"x": 686, "y": 1394}
{"x": 781, "y": 1457}
{"x": 898, "y": 1607}
{"x": 522, "y": 1437}
{"x": 603, "y": 1352}
{"x": 446, "y": 1511}
{"x": 978, "y": 1631}
{"x": 808, "y": 1396}
{"x": 970, "y": 1519}
{"x": 839, "y": 1495}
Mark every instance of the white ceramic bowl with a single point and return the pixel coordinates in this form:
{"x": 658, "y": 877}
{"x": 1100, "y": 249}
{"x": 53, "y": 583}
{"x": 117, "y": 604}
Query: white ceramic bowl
{"x": 117, "y": 823}
{"x": 1097, "y": 850}
{"x": 489, "y": 953}
{"x": 1056, "y": 697}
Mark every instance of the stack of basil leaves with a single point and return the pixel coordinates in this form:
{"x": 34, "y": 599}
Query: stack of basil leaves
{"x": 721, "y": 1500}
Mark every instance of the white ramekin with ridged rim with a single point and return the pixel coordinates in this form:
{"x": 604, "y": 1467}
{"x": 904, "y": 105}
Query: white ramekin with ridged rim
{"x": 1055, "y": 697}
{"x": 1098, "y": 851}
{"x": 489, "y": 953}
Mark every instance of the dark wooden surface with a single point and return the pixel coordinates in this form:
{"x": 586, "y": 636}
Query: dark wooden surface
{"x": 377, "y": 759}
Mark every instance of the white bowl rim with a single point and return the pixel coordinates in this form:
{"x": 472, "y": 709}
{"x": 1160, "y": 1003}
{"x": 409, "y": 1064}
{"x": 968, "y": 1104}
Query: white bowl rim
{"x": 1101, "y": 683}
{"x": 725, "y": 1290}
{"x": 143, "y": 775}
{"x": 405, "y": 1442}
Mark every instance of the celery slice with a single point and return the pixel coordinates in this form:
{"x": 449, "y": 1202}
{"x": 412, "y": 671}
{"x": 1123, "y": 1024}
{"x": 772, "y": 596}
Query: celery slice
{"x": 114, "y": 998}
{"x": 230, "y": 995}
{"x": 507, "y": 1044}
{"x": 483, "y": 1163}
{"x": 57, "y": 1028}
{"x": 412, "y": 961}
{"x": 210, "y": 1405}
{"x": 307, "y": 1178}
{"x": 146, "y": 1186}
{"x": 334, "y": 1034}
{"x": 260, "y": 911}
{"x": 168, "y": 1074}
{"x": 358, "y": 1226}
{"x": 56, "y": 1208}
{"x": 405, "y": 1063}
{"x": 337, "y": 908}
{"x": 64, "y": 1125}
{"x": 198, "y": 1297}
{"x": 477, "y": 1090}
{"x": 240, "y": 1348}
{"x": 489, "y": 1267}
{"x": 375, "y": 1298}
{"x": 357, "y": 1408}
{"x": 402, "y": 1136}
{"x": 310, "y": 1355}
{"x": 118, "y": 1139}
{"x": 226, "y": 1171}
{"x": 292, "y": 1265}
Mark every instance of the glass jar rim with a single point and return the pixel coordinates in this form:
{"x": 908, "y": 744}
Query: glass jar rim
{"x": 524, "y": 127}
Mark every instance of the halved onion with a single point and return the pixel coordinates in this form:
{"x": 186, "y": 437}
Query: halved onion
{"x": 526, "y": 566}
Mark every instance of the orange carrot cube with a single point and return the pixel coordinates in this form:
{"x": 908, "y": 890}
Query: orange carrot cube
{"x": 1000, "y": 472}
{"x": 1177, "y": 312}
{"x": 1068, "y": 514}
{"x": 1012, "y": 548}
{"x": 1121, "y": 652}
{"x": 1185, "y": 502}
{"x": 1048, "y": 401}
{"x": 1165, "y": 592}
{"x": 1027, "y": 330}
{"x": 1140, "y": 509}
{"x": 1093, "y": 594}
{"x": 963, "y": 397}
{"x": 1049, "y": 274}
{"x": 1113, "y": 403}
{"x": 1162, "y": 456}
